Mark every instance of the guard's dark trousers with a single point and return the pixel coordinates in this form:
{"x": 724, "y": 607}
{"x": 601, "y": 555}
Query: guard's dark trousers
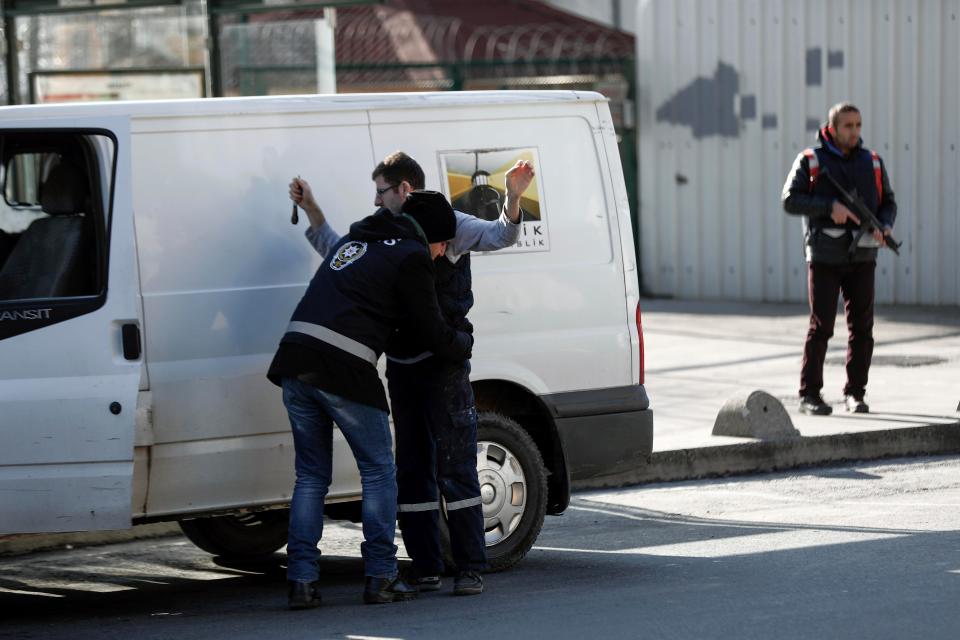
{"x": 825, "y": 282}
{"x": 435, "y": 421}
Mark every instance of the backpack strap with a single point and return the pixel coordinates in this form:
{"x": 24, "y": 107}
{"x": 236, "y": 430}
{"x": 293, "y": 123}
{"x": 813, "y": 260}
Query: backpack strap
{"x": 877, "y": 174}
{"x": 813, "y": 164}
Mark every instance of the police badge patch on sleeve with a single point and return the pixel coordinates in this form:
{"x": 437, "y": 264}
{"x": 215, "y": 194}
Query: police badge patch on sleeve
{"x": 348, "y": 254}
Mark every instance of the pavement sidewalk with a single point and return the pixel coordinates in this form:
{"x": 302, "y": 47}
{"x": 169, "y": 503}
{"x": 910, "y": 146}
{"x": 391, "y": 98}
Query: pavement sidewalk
{"x": 699, "y": 354}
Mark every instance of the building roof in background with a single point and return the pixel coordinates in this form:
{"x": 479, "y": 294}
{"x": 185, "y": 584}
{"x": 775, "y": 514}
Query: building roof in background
{"x": 428, "y": 31}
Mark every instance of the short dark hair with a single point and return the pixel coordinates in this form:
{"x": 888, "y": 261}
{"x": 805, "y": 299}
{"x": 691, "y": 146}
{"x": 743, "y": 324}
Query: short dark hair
{"x": 397, "y": 167}
{"x": 841, "y": 107}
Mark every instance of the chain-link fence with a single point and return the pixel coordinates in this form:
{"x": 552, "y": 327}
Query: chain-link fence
{"x": 148, "y": 38}
{"x": 380, "y": 50}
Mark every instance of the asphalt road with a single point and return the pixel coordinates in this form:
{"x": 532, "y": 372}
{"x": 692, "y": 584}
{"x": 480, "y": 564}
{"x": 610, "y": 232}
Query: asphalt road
{"x": 864, "y": 551}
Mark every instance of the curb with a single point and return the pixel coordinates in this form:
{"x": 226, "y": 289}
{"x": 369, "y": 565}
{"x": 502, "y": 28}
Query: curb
{"x": 779, "y": 455}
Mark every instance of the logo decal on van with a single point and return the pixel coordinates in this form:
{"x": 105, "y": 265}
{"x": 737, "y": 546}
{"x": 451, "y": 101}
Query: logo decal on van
{"x": 25, "y": 314}
{"x": 348, "y": 254}
{"x": 476, "y": 184}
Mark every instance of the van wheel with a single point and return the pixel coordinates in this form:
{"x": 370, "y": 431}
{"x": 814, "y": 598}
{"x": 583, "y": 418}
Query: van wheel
{"x": 243, "y": 536}
{"x": 513, "y": 491}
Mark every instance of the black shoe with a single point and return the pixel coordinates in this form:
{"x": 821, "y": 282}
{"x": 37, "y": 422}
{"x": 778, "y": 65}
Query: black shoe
{"x": 382, "y": 590}
{"x": 467, "y": 583}
{"x": 303, "y": 595}
{"x": 426, "y": 583}
{"x": 814, "y": 406}
{"x": 855, "y": 404}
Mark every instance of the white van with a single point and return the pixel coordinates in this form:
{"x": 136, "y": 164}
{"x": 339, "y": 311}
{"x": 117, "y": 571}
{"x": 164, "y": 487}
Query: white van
{"x": 148, "y": 267}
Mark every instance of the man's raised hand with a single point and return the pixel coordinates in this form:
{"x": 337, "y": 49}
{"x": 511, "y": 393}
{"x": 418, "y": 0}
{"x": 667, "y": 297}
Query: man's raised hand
{"x": 519, "y": 177}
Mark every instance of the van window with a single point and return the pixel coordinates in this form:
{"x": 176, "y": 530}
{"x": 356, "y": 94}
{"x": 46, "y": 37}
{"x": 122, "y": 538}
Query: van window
{"x": 53, "y": 215}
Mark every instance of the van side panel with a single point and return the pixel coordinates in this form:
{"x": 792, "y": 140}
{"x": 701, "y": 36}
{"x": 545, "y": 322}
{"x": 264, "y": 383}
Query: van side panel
{"x": 536, "y": 312}
{"x": 217, "y": 186}
{"x": 558, "y": 321}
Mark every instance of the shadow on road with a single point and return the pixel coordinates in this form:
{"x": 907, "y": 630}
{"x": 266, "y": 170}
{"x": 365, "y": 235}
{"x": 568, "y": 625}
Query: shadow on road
{"x": 602, "y": 570}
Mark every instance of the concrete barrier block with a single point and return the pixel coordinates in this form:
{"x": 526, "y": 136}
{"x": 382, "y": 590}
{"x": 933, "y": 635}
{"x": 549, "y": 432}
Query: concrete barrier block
{"x": 754, "y": 414}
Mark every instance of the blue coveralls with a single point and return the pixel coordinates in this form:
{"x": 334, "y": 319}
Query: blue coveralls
{"x": 435, "y": 422}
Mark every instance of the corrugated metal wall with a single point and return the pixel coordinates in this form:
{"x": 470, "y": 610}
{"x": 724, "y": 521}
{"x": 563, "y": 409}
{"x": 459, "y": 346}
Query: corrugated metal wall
{"x": 731, "y": 90}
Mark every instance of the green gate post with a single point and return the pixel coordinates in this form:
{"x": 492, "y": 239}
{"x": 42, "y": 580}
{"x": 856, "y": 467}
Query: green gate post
{"x": 10, "y": 55}
{"x": 629, "y": 160}
{"x": 456, "y": 77}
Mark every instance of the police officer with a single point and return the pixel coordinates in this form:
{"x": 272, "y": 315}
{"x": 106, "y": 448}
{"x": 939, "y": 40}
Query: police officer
{"x": 834, "y": 269}
{"x": 377, "y": 276}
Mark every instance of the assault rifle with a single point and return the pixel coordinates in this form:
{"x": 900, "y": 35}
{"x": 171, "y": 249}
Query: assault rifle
{"x": 868, "y": 221}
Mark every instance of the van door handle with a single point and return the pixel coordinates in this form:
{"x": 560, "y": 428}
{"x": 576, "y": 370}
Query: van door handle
{"x": 131, "y": 341}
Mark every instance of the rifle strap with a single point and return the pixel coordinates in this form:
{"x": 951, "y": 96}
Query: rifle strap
{"x": 877, "y": 175}
{"x": 813, "y": 165}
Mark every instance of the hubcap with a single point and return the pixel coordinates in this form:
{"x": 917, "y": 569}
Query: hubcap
{"x": 503, "y": 490}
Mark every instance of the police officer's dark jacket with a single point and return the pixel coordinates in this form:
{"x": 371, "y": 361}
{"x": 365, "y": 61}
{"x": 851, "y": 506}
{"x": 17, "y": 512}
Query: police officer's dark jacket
{"x": 814, "y": 199}
{"x": 378, "y": 276}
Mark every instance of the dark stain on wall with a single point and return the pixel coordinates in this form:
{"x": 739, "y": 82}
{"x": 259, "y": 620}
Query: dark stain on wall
{"x": 706, "y": 104}
{"x": 714, "y": 107}
{"x": 814, "y": 67}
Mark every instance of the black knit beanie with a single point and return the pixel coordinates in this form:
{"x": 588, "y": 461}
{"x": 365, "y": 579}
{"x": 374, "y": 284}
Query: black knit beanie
{"x": 433, "y": 213}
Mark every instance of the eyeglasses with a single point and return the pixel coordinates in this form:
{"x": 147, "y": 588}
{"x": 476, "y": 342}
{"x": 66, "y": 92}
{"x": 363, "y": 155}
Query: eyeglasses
{"x": 380, "y": 192}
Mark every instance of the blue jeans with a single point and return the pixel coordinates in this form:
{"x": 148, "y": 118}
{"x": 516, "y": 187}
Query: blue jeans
{"x": 312, "y": 413}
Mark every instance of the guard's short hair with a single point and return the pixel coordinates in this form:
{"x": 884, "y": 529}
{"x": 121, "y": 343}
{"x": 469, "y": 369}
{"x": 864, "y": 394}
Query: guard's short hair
{"x": 841, "y": 107}
{"x": 397, "y": 167}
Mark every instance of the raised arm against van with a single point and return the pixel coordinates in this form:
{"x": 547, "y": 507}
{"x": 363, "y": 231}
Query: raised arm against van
{"x": 321, "y": 235}
{"x": 474, "y": 234}
{"x": 302, "y": 195}
{"x": 517, "y": 179}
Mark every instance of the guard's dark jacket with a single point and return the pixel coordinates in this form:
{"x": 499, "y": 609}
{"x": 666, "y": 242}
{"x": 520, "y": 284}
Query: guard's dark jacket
{"x": 455, "y": 295}
{"x": 376, "y": 278}
{"x": 854, "y": 172}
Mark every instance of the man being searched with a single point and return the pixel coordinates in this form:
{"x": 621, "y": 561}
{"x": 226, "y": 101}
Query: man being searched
{"x": 842, "y": 260}
{"x": 434, "y": 416}
{"x": 379, "y": 275}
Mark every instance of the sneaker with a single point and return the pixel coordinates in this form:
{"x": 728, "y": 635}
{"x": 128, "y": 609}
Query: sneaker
{"x": 467, "y": 583}
{"x": 426, "y": 583}
{"x": 814, "y": 406}
{"x": 855, "y": 404}
{"x": 303, "y": 595}
{"x": 383, "y": 590}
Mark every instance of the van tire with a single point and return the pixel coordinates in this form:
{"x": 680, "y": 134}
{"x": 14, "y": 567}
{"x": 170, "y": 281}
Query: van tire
{"x": 249, "y": 535}
{"x": 506, "y": 439}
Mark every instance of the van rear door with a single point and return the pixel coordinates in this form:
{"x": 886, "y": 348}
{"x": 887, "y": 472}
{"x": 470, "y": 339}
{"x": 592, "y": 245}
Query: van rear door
{"x": 70, "y": 348}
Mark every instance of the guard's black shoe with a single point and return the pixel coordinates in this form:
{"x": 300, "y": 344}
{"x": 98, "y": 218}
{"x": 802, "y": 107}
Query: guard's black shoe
{"x": 814, "y": 406}
{"x": 383, "y": 590}
{"x": 855, "y": 404}
{"x": 425, "y": 583}
{"x": 467, "y": 583}
{"x": 303, "y": 595}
